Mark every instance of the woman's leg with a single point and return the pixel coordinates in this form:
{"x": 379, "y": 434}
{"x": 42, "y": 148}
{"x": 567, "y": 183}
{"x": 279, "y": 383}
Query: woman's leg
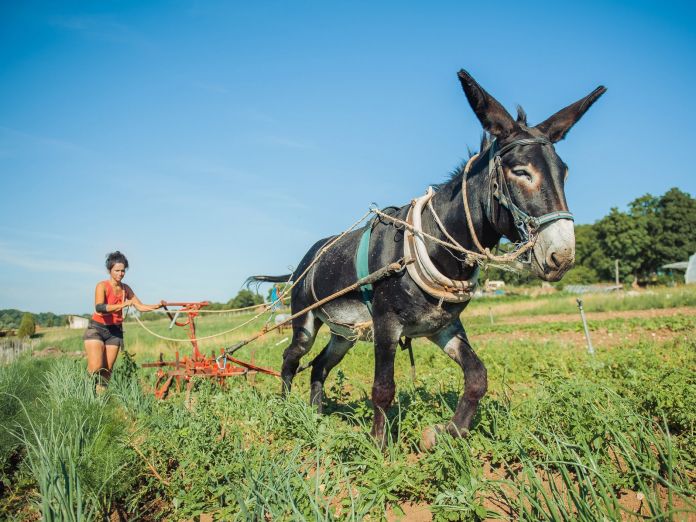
{"x": 96, "y": 356}
{"x": 111, "y": 355}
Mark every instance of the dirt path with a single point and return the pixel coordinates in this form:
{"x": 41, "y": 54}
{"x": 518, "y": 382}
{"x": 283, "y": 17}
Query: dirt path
{"x": 623, "y": 314}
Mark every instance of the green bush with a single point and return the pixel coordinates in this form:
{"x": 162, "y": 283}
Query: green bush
{"x": 580, "y": 275}
{"x": 27, "y": 328}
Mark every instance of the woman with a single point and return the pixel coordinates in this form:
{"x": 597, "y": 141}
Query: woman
{"x": 104, "y": 335}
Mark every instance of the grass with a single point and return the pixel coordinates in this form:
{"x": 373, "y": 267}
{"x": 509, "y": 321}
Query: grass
{"x": 561, "y": 435}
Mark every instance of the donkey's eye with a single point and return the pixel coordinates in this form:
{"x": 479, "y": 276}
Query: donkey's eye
{"x": 522, "y": 173}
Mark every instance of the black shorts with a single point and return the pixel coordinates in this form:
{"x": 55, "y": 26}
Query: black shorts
{"x": 111, "y": 334}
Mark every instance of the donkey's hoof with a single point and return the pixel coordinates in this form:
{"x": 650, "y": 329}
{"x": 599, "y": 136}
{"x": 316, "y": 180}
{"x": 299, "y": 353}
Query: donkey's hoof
{"x": 430, "y": 435}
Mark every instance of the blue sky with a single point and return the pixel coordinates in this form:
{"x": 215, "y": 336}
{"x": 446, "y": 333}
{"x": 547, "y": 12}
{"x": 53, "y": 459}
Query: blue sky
{"x": 212, "y": 140}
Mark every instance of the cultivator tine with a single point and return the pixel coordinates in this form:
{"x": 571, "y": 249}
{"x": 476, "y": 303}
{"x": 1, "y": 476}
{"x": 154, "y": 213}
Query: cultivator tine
{"x": 162, "y": 392}
{"x": 253, "y": 367}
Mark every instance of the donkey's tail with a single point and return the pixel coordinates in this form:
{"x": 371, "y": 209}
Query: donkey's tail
{"x": 258, "y": 279}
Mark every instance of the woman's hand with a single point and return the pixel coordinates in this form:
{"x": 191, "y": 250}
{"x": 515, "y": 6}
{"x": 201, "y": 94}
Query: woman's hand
{"x": 153, "y": 307}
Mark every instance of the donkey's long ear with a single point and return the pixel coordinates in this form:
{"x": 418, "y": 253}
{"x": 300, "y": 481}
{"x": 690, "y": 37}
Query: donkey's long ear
{"x": 558, "y": 125}
{"x": 493, "y": 116}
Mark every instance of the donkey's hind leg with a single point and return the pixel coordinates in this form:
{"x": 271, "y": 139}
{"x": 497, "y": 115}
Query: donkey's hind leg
{"x": 304, "y": 332}
{"x": 383, "y": 387}
{"x": 330, "y": 356}
{"x": 454, "y": 343}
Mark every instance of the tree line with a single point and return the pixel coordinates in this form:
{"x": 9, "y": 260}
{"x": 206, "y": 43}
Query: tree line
{"x": 652, "y": 232}
{"x": 10, "y": 319}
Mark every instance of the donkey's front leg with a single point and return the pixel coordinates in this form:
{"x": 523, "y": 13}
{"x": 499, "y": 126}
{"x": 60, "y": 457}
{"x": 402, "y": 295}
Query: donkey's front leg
{"x": 454, "y": 343}
{"x": 383, "y": 387}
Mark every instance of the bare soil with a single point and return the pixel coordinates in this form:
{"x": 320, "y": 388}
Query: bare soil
{"x": 622, "y": 314}
{"x": 412, "y": 513}
{"x": 601, "y": 338}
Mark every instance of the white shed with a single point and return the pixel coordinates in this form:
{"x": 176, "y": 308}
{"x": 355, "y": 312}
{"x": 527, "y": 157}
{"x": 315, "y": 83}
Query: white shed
{"x": 76, "y": 322}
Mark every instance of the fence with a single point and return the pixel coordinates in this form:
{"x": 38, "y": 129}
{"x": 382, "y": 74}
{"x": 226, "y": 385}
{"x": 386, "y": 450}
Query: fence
{"x": 10, "y": 349}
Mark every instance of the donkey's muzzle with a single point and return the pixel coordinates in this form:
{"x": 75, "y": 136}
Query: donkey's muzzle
{"x": 554, "y": 252}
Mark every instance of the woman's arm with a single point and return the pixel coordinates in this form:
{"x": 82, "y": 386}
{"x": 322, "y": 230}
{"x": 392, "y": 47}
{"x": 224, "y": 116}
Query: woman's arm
{"x": 100, "y": 301}
{"x": 139, "y": 306}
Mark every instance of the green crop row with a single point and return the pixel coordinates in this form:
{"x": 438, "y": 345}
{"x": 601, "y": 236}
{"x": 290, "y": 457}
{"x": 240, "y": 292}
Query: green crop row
{"x": 560, "y": 435}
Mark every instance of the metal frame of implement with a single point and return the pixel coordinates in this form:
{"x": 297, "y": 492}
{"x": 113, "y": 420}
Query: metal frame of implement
{"x": 198, "y": 365}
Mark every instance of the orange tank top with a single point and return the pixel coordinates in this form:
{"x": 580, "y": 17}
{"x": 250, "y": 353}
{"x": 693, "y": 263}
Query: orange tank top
{"x": 111, "y": 298}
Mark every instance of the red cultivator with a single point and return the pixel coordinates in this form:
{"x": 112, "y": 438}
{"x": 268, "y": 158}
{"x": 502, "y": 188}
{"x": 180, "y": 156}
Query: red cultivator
{"x": 198, "y": 365}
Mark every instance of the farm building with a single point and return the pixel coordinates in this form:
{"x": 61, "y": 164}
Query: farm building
{"x": 688, "y": 266}
{"x": 77, "y": 322}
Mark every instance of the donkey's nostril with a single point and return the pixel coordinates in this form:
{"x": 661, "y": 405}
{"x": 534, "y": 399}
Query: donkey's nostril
{"x": 553, "y": 261}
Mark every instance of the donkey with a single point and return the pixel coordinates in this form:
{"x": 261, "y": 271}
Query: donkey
{"x": 514, "y": 188}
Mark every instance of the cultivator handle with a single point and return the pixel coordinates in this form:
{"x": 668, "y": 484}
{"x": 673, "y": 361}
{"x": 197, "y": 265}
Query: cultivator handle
{"x": 189, "y": 308}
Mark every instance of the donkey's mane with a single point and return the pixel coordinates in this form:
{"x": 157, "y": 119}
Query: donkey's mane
{"x": 458, "y": 171}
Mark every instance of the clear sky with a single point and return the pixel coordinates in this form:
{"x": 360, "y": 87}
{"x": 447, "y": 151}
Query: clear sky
{"x": 212, "y": 140}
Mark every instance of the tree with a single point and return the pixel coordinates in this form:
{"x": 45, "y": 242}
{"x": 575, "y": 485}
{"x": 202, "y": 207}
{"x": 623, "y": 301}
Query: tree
{"x": 580, "y": 275}
{"x": 674, "y": 239}
{"x": 245, "y": 298}
{"x": 27, "y": 327}
{"x": 590, "y": 259}
{"x": 625, "y": 237}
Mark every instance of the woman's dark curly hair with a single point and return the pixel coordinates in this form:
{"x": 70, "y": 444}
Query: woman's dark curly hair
{"x": 115, "y": 257}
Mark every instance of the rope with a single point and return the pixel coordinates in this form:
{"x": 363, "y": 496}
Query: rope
{"x": 323, "y": 250}
{"x": 197, "y": 338}
{"x": 467, "y": 211}
{"x": 383, "y": 272}
{"x": 267, "y": 306}
{"x": 240, "y": 309}
{"x": 227, "y": 310}
{"x": 441, "y": 225}
{"x": 285, "y": 292}
{"x": 486, "y": 255}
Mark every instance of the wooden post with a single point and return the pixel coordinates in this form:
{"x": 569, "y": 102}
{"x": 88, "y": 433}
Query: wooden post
{"x": 590, "y": 348}
{"x": 616, "y": 271}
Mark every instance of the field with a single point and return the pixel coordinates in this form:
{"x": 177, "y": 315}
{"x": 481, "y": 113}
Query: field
{"x": 561, "y": 434}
